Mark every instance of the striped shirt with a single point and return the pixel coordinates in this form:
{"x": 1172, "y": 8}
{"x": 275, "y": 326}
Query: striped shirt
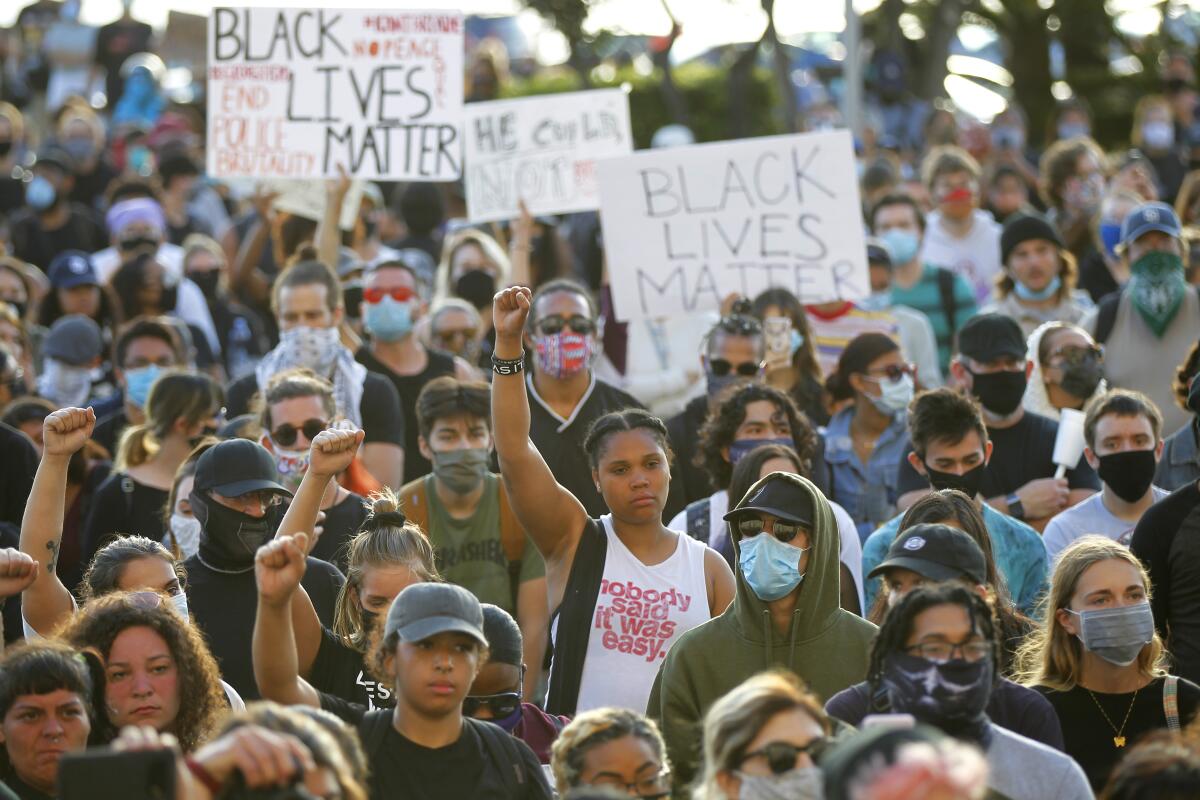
{"x": 833, "y": 330}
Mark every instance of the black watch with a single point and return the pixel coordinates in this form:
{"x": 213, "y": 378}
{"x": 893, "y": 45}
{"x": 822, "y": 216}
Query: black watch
{"x": 1015, "y": 509}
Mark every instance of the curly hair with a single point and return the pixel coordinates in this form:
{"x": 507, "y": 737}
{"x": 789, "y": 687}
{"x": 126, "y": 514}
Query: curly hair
{"x": 97, "y": 625}
{"x": 596, "y": 727}
{"x": 1184, "y": 373}
{"x": 720, "y": 428}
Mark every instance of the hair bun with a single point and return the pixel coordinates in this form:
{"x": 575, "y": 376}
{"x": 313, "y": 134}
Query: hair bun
{"x": 385, "y": 519}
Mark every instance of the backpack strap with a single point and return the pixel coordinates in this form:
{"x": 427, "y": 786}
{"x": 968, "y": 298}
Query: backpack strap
{"x": 575, "y": 619}
{"x": 1106, "y": 316}
{"x": 697, "y": 521}
{"x": 512, "y": 540}
{"x": 1171, "y": 702}
{"x": 415, "y": 504}
{"x": 502, "y": 750}
{"x": 945, "y": 282}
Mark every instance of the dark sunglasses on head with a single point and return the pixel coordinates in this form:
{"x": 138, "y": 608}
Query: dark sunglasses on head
{"x": 286, "y": 433}
{"x": 556, "y": 322}
{"x": 501, "y": 705}
{"x": 720, "y": 367}
{"x": 401, "y": 294}
{"x": 781, "y": 756}
{"x": 782, "y": 530}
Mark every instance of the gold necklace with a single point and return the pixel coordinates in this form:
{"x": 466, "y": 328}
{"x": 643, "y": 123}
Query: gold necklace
{"x": 1119, "y": 738}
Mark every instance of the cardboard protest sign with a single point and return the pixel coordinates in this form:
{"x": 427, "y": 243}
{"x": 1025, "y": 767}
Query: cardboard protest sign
{"x": 684, "y": 227}
{"x": 293, "y": 93}
{"x": 542, "y": 150}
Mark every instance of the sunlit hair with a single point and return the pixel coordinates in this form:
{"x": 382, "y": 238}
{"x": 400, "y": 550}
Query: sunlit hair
{"x": 384, "y": 540}
{"x": 734, "y": 721}
{"x": 103, "y": 574}
{"x": 1053, "y": 657}
{"x": 202, "y": 699}
{"x": 292, "y": 384}
{"x": 175, "y": 395}
{"x": 593, "y": 728}
{"x": 443, "y": 286}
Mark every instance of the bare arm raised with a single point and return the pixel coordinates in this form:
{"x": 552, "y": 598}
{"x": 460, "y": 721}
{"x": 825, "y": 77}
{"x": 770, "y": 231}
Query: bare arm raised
{"x": 278, "y": 569}
{"x": 46, "y": 602}
{"x": 551, "y": 515}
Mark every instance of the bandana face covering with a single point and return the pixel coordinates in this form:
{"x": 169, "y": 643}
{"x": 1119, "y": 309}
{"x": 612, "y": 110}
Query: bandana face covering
{"x": 1157, "y": 288}
{"x": 292, "y": 464}
{"x": 563, "y": 354}
{"x": 950, "y": 696}
{"x": 315, "y": 348}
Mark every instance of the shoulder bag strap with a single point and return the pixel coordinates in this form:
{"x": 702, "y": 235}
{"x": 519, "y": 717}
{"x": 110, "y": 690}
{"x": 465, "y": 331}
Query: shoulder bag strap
{"x": 575, "y": 620}
{"x": 1171, "y": 702}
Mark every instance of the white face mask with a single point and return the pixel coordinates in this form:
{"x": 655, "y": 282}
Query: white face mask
{"x": 180, "y": 603}
{"x": 65, "y": 385}
{"x": 186, "y": 531}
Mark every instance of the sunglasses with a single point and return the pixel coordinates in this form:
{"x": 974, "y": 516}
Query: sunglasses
{"x": 781, "y": 757}
{"x": 401, "y": 294}
{"x": 720, "y": 367}
{"x": 893, "y": 372}
{"x": 749, "y": 526}
{"x": 501, "y": 705}
{"x": 286, "y": 433}
{"x": 556, "y": 322}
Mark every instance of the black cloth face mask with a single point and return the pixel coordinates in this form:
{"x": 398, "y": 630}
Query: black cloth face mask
{"x": 1128, "y": 473}
{"x": 999, "y": 392}
{"x": 229, "y": 539}
{"x": 1081, "y": 374}
{"x": 477, "y": 287}
{"x": 969, "y": 483}
{"x": 951, "y": 696}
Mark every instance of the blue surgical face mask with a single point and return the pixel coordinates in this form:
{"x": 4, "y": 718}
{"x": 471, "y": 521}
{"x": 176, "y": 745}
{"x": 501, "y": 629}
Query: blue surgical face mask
{"x": 1025, "y": 293}
{"x": 877, "y": 301}
{"x": 797, "y": 341}
{"x": 389, "y": 320}
{"x": 138, "y": 382}
{"x": 743, "y": 447}
{"x": 40, "y": 194}
{"x": 1110, "y": 235}
{"x": 901, "y": 244}
{"x": 1070, "y": 130}
{"x": 771, "y": 567}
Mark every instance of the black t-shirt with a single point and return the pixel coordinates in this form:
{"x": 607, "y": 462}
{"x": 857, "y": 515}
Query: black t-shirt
{"x": 17, "y": 467}
{"x": 33, "y": 243}
{"x": 402, "y": 768}
{"x": 379, "y": 407}
{"x": 561, "y": 443}
{"x": 108, "y": 430}
{"x": 1095, "y": 277}
{"x": 342, "y": 521}
{"x": 1167, "y": 540}
{"x": 116, "y": 42}
{"x": 123, "y": 507}
{"x": 12, "y": 194}
{"x": 408, "y": 387}
{"x": 1089, "y": 737}
{"x": 223, "y": 606}
{"x": 1020, "y": 454}
{"x": 242, "y": 335}
{"x": 689, "y": 481}
{"x": 338, "y": 671}
{"x": 89, "y": 187}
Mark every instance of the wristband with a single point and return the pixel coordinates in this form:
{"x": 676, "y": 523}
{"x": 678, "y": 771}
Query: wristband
{"x": 201, "y": 773}
{"x": 1015, "y": 509}
{"x": 507, "y": 366}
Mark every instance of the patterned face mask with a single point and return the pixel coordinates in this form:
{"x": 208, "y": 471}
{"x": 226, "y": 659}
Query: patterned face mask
{"x": 1157, "y": 288}
{"x": 563, "y": 354}
{"x": 315, "y": 348}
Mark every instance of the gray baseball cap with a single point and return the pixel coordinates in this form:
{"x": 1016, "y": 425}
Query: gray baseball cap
{"x": 74, "y": 339}
{"x": 424, "y": 610}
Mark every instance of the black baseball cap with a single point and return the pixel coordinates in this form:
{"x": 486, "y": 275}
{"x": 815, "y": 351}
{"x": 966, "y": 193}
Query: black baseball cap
{"x": 877, "y": 253}
{"x": 779, "y": 496}
{"x": 423, "y": 610}
{"x": 936, "y": 552}
{"x": 503, "y": 636}
{"x": 236, "y": 467}
{"x": 988, "y": 337}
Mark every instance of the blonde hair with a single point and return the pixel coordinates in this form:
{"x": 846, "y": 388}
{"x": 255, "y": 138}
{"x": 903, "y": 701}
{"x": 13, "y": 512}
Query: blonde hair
{"x": 442, "y": 288}
{"x": 175, "y": 395}
{"x": 201, "y": 243}
{"x": 385, "y": 539}
{"x": 16, "y": 120}
{"x": 734, "y": 720}
{"x": 1053, "y": 657}
{"x": 595, "y": 727}
{"x": 1068, "y": 274}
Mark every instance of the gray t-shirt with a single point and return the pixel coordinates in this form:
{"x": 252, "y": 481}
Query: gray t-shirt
{"x": 1088, "y": 517}
{"x": 1019, "y": 767}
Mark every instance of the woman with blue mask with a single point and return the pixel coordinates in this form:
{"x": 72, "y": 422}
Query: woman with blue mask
{"x": 1038, "y": 284}
{"x": 866, "y": 439}
{"x": 1098, "y": 659}
{"x": 1102, "y": 271}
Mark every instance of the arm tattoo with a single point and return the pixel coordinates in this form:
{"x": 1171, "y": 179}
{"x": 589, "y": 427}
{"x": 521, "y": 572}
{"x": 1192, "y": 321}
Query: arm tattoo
{"x": 53, "y": 548}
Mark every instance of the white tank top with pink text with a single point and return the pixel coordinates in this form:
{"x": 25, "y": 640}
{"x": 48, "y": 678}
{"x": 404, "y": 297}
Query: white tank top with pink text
{"x": 639, "y": 614}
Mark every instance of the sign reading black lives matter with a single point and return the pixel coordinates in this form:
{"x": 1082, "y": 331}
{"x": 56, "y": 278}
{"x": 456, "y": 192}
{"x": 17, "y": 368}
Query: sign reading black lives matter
{"x": 542, "y": 150}
{"x": 294, "y": 93}
{"x": 685, "y": 227}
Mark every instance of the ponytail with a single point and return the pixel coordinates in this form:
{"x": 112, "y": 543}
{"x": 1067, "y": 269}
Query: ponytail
{"x": 136, "y": 446}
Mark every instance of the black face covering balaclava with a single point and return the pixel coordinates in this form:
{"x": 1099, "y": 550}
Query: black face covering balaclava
{"x": 228, "y": 538}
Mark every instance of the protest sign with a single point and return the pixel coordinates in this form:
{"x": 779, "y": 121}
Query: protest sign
{"x": 684, "y": 227}
{"x": 542, "y": 150}
{"x": 294, "y": 93}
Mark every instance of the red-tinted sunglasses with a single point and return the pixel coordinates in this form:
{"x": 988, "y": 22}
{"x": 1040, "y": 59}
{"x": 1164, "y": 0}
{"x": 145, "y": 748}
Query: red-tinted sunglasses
{"x": 401, "y": 294}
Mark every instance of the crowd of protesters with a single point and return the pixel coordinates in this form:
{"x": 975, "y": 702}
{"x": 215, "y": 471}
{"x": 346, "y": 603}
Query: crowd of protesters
{"x": 403, "y": 510}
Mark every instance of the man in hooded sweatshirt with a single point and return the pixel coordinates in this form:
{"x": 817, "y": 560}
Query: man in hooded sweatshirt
{"x": 785, "y": 613}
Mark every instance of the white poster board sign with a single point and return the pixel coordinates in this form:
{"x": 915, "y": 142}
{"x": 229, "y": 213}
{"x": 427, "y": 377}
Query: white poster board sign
{"x": 684, "y": 227}
{"x": 542, "y": 150}
{"x": 293, "y": 93}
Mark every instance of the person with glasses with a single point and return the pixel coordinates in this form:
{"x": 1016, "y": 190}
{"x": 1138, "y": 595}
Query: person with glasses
{"x": 497, "y": 693}
{"x": 236, "y": 497}
{"x": 393, "y": 305}
{"x": 1068, "y": 371}
{"x": 1098, "y": 660}
{"x": 455, "y": 328}
{"x": 297, "y": 406}
{"x": 927, "y": 553}
{"x": 562, "y": 337}
{"x": 182, "y": 408}
{"x": 734, "y": 350}
{"x": 785, "y": 613}
{"x": 935, "y": 659}
{"x": 614, "y": 749}
{"x": 865, "y": 441}
{"x": 763, "y": 740}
